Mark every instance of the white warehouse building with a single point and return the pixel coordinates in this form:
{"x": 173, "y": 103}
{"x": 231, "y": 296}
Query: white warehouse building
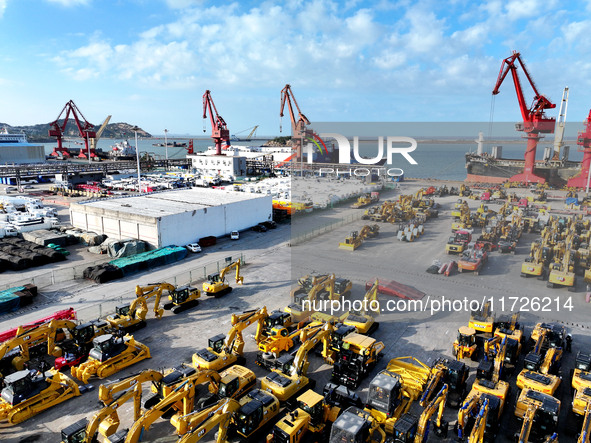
{"x": 173, "y": 217}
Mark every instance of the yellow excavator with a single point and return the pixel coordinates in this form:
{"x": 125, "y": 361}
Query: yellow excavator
{"x": 356, "y": 425}
{"x": 105, "y": 421}
{"x": 495, "y": 395}
{"x": 178, "y": 403}
{"x": 306, "y": 304}
{"x": 109, "y": 355}
{"x": 535, "y": 264}
{"x": 287, "y": 381}
{"x": 132, "y": 317}
{"x": 539, "y": 413}
{"x": 312, "y": 417}
{"x": 412, "y": 429}
{"x": 216, "y": 284}
{"x": 364, "y": 320}
{"x": 480, "y": 327}
{"x": 224, "y": 351}
{"x": 393, "y": 391}
{"x": 196, "y": 425}
{"x": 279, "y": 341}
{"x": 563, "y": 273}
{"x": 27, "y": 393}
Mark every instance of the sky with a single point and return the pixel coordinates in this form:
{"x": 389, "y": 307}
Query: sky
{"x": 148, "y": 62}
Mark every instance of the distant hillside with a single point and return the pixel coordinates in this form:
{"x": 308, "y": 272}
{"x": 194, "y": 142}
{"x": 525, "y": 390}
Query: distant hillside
{"x": 39, "y": 133}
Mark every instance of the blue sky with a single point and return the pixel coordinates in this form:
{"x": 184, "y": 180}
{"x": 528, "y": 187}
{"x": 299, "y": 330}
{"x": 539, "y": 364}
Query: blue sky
{"x": 148, "y": 62}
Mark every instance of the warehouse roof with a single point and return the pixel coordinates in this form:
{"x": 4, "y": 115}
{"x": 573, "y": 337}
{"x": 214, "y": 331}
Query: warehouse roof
{"x": 165, "y": 203}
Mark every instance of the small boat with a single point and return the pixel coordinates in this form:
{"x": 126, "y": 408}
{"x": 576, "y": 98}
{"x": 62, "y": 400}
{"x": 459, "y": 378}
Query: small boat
{"x": 122, "y": 151}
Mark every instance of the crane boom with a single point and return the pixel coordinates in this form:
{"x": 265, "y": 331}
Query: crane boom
{"x": 534, "y": 118}
{"x": 219, "y": 129}
{"x": 99, "y": 133}
{"x": 298, "y": 124}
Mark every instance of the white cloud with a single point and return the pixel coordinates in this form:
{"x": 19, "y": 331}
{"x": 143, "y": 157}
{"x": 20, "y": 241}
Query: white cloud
{"x": 2, "y": 7}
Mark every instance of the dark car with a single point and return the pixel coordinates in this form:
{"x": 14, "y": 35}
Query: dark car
{"x": 269, "y": 224}
{"x": 259, "y": 228}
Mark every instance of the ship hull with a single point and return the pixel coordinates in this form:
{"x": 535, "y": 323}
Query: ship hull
{"x": 482, "y": 169}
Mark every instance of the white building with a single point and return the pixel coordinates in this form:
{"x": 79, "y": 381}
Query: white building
{"x": 226, "y": 166}
{"x": 173, "y": 217}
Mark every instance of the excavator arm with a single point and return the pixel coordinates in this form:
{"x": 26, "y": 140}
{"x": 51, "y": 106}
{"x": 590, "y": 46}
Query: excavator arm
{"x": 477, "y": 434}
{"x": 585, "y": 435}
{"x": 465, "y": 411}
{"x": 184, "y": 393}
{"x": 528, "y": 421}
{"x": 108, "y": 390}
{"x": 107, "y": 417}
{"x": 236, "y": 264}
{"x": 194, "y": 426}
{"x": 234, "y": 340}
{"x": 327, "y": 283}
{"x": 436, "y": 406}
{"x": 300, "y": 361}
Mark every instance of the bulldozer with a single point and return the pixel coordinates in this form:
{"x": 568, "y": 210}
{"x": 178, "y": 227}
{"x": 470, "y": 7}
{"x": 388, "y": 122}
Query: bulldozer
{"x": 109, "y": 355}
{"x": 225, "y": 350}
{"x": 216, "y": 285}
{"x": 356, "y": 238}
{"x": 288, "y": 381}
{"x": 357, "y": 356}
{"x": 539, "y": 413}
{"x": 27, "y": 393}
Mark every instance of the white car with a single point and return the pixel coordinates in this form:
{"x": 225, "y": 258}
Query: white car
{"x": 234, "y": 235}
{"x": 194, "y": 247}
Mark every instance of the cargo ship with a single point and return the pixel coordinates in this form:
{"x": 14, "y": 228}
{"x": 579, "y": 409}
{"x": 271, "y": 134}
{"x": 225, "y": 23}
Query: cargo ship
{"x": 484, "y": 167}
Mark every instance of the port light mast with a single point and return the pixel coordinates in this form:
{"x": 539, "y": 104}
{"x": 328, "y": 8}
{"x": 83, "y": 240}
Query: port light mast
{"x": 85, "y": 129}
{"x": 299, "y": 132}
{"x": 219, "y": 129}
{"x": 535, "y": 121}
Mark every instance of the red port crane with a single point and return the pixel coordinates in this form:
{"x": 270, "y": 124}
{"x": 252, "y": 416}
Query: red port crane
{"x": 85, "y": 129}
{"x": 535, "y": 121}
{"x": 299, "y": 132}
{"x": 219, "y": 130}
{"x": 581, "y": 180}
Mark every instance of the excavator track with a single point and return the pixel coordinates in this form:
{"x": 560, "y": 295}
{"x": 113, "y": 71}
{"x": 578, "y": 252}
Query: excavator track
{"x": 183, "y": 307}
{"x": 219, "y": 293}
{"x": 10, "y": 416}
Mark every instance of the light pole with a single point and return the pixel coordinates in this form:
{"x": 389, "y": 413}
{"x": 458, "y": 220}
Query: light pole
{"x": 88, "y": 146}
{"x": 166, "y": 142}
{"x": 137, "y": 155}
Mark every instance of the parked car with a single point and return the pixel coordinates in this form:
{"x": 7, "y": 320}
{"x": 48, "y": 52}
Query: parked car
{"x": 234, "y": 235}
{"x": 194, "y": 247}
{"x": 270, "y": 224}
{"x": 259, "y": 228}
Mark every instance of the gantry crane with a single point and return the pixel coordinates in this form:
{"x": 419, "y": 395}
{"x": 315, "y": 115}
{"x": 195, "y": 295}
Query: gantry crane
{"x": 85, "y": 129}
{"x": 535, "y": 121}
{"x": 219, "y": 129}
{"x": 583, "y": 140}
{"x": 299, "y": 132}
